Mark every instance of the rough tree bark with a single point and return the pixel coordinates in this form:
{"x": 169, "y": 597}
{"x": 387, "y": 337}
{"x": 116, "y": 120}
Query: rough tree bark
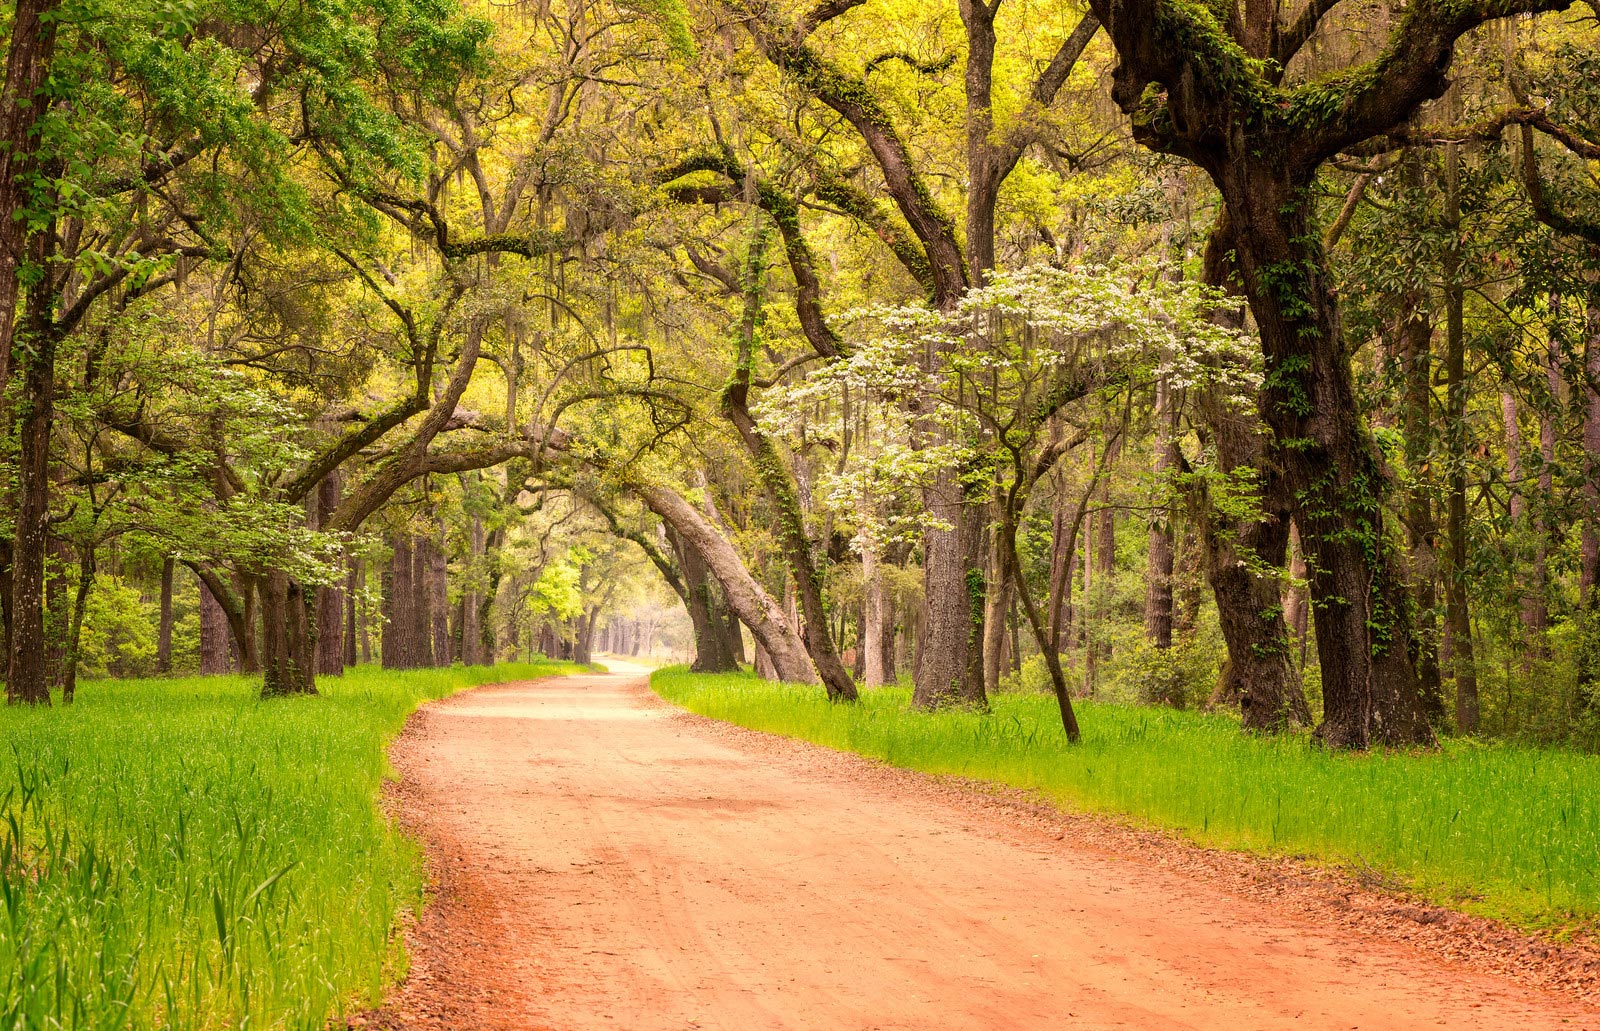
{"x": 419, "y": 638}
{"x": 399, "y": 595}
{"x": 711, "y": 651}
{"x": 754, "y": 607}
{"x": 215, "y": 652}
{"x": 28, "y": 673}
{"x": 288, "y": 636}
{"x": 953, "y": 619}
{"x": 29, "y": 52}
{"x": 1245, "y": 554}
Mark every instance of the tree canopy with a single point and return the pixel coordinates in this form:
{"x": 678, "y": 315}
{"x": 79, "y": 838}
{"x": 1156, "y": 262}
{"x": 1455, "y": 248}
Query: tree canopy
{"x": 1241, "y": 355}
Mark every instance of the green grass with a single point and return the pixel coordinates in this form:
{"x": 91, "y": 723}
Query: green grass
{"x": 1506, "y": 831}
{"x": 179, "y": 854}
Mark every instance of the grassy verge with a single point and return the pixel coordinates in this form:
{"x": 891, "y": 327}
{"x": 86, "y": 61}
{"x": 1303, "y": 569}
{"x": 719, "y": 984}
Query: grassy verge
{"x": 1506, "y": 831}
{"x": 179, "y": 854}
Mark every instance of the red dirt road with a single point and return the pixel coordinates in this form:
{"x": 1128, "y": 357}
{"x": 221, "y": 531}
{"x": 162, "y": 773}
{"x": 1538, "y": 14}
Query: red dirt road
{"x": 605, "y": 862}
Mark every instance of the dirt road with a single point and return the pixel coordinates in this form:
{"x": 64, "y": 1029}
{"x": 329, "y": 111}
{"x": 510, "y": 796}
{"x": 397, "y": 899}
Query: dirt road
{"x": 606, "y": 862}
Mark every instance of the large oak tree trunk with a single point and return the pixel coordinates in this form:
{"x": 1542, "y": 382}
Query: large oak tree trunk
{"x": 399, "y": 627}
{"x": 419, "y": 638}
{"x": 30, "y": 49}
{"x": 28, "y": 673}
{"x": 288, "y": 636}
{"x": 215, "y": 649}
{"x": 1244, "y": 561}
{"x": 1245, "y": 554}
{"x": 754, "y": 607}
{"x": 953, "y": 596}
{"x": 1329, "y": 464}
{"x": 711, "y": 651}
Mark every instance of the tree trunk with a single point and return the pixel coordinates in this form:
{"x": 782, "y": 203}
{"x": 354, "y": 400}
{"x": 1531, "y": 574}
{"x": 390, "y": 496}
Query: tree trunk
{"x": 329, "y": 600}
{"x": 1244, "y": 556}
{"x": 996, "y": 603}
{"x": 29, "y": 52}
{"x": 779, "y": 485}
{"x": 583, "y": 641}
{"x": 1329, "y": 462}
{"x": 1158, "y": 569}
{"x": 1464, "y": 660}
{"x": 754, "y": 607}
{"x": 1296, "y": 606}
{"x": 1422, "y": 531}
{"x": 30, "y": 49}
{"x": 215, "y": 650}
{"x": 288, "y": 637}
{"x": 486, "y": 606}
{"x": 1588, "y": 649}
{"x": 57, "y": 606}
{"x": 764, "y": 667}
{"x": 420, "y": 638}
{"x": 873, "y": 613}
{"x": 352, "y": 584}
{"x": 1589, "y": 546}
{"x": 953, "y": 596}
{"x": 400, "y": 608}
{"x": 366, "y": 612}
{"x": 711, "y": 652}
{"x": 28, "y": 674}
{"x": 472, "y": 649}
{"x": 80, "y": 606}
{"x": 164, "y": 629}
{"x": 439, "y": 599}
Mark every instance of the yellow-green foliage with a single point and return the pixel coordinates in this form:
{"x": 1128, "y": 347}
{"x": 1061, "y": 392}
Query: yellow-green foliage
{"x": 181, "y": 854}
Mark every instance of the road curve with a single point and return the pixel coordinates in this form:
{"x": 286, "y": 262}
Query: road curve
{"x": 605, "y": 862}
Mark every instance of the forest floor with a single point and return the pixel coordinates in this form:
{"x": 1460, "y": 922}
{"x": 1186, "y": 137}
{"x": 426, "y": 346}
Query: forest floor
{"x": 604, "y": 860}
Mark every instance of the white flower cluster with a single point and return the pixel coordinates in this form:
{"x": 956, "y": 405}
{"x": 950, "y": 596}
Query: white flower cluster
{"x": 922, "y": 389}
